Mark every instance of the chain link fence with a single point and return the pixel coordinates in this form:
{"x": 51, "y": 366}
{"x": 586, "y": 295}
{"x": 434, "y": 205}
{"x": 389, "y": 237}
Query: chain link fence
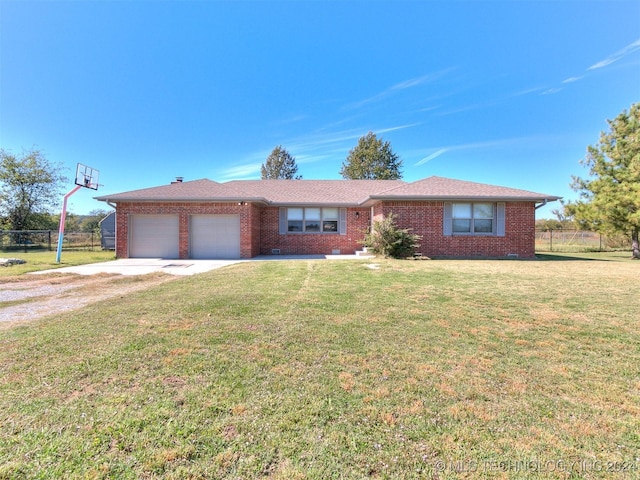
{"x": 578, "y": 241}
{"x": 546, "y": 241}
{"x": 31, "y": 240}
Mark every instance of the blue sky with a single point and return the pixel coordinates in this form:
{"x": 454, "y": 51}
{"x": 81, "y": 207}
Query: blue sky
{"x": 507, "y": 92}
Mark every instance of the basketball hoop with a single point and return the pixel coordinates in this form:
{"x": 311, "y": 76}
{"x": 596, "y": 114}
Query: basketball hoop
{"x": 86, "y": 177}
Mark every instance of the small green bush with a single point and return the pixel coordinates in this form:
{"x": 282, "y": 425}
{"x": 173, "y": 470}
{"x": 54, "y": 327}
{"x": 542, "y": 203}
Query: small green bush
{"x": 385, "y": 238}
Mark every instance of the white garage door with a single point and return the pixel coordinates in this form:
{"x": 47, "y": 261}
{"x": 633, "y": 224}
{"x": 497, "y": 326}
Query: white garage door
{"x": 214, "y": 236}
{"x": 154, "y": 236}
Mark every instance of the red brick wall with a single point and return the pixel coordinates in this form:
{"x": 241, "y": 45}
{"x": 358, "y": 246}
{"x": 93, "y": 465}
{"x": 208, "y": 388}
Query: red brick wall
{"x": 259, "y": 232}
{"x": 426, "y": 219}
{"x": 249, "y": 221}
{"x": 253, "y": 235}
{"x": 312, "y": 243}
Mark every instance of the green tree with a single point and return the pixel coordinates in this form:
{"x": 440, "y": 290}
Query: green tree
{"x": 610, "y": 197}
{"x": 91, "y": 222}
{"x": 29, "y": 185}
{"x": 387, "y": 239}
{"x": 561, "y": 222}
{"x": 546, "y": 224}
{"x": 371, "y": 159}
{"x": 280, "y": 165}
{"x": 44, "y": 221}
{"x": 72, "y": 222}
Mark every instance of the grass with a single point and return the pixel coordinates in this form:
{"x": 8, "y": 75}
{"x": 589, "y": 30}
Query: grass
{"x": 44, "y": 260}
{"x": 320, "y": 369}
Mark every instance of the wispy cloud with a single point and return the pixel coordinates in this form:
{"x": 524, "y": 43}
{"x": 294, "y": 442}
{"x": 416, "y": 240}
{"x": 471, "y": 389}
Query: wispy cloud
{"x": 414, "y": 82}
{"x": 292, "y": 119}
{"x": 499, "y": 143}
{"x": 471, "y": 106}
{"x": 322, "y": 141}
{"x": 404, "y": 85}
{"x": 328, "y": 139}
{"x": 241, "y": 172}
{"x": 527, "y": 91}
{"x": 551, "y": 91}
{"x": 629, "y": 49}
{"x": 428, "y": 109}
{"x": 393, "y": 129}
{"x": 428, "y": 158}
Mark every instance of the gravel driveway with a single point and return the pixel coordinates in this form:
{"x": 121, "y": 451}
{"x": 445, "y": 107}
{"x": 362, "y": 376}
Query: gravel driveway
{"x": 26, "y": 298}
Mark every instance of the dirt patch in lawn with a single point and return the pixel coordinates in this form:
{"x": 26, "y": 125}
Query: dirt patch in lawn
{"x": 25, "y": 298}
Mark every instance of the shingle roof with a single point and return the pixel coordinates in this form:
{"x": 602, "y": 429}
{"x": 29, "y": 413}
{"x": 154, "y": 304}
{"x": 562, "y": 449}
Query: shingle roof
{"x": 194, "y": 190}
{"x": 447, "y": 188}
{"x": 323, "y": 192}
{"x": 335, "y": 192}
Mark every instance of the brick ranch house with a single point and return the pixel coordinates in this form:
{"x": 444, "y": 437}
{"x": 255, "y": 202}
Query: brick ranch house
{"x": 246, "y": 218}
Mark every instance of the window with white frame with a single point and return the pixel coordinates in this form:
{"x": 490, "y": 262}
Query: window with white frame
{"x": 473, "y": 218}
{"x": 312, "y": 220}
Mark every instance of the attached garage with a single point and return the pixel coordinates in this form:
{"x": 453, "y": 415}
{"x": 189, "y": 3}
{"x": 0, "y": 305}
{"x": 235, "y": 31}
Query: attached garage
{"x": 154, "y": 236}
{"x": 214, "y": 236}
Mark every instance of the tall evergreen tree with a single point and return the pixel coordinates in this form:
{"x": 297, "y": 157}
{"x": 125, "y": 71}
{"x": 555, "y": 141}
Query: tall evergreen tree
{"x": 610, "y": 198}
{"x": 280, "y": 165}
{"x": 371, "y": 159}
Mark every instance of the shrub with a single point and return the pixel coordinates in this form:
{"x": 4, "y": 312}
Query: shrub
{"x": 385, "y": 238}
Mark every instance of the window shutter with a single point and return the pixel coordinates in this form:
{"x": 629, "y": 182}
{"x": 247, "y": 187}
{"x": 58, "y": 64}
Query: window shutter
{"x": 342, "y": 224}
{"x": 446, "y": 224}
{"x": 282, "y": 223}
{"x": 500, "y": 227}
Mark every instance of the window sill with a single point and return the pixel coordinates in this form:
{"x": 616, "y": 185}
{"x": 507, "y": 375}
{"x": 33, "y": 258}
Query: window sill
{"x": 474, "y": 235}
{"x": 312, "y": 233}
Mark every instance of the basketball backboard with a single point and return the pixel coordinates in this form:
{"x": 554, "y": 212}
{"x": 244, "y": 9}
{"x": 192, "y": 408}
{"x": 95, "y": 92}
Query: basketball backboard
{"x": 87, "y": 177}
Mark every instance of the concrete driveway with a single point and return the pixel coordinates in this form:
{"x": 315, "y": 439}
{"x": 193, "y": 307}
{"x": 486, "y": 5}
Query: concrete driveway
{"x": 141, "y": 266}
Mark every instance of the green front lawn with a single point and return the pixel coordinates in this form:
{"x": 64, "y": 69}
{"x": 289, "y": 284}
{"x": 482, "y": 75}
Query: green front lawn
{"x": 336, "y": 369}
{"x": 44, "y": 260}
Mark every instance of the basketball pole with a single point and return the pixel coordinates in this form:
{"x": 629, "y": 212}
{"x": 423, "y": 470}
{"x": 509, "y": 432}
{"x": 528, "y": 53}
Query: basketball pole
{"x": 63, "y": 216}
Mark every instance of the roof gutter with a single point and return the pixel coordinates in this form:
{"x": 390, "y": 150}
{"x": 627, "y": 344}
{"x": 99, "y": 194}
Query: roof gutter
{"x": 546, "y": 200}
{"x": 461, "y": 198}
{"x": 109, "y": 201}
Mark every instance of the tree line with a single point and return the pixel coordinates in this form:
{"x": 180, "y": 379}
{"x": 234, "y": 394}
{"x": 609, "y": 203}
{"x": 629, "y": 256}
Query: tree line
{"x": 89, "y": 223}
{"x": 608, "y": 198}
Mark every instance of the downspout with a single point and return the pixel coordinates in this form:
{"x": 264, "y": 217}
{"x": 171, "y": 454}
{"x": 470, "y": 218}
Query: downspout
{"x": 371, "y": 219}
{"x": 115, "y": 230}
{"x": 544, "y": 202}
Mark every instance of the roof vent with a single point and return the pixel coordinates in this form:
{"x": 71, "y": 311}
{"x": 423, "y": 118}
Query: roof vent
{"x": 178, "y": 180}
